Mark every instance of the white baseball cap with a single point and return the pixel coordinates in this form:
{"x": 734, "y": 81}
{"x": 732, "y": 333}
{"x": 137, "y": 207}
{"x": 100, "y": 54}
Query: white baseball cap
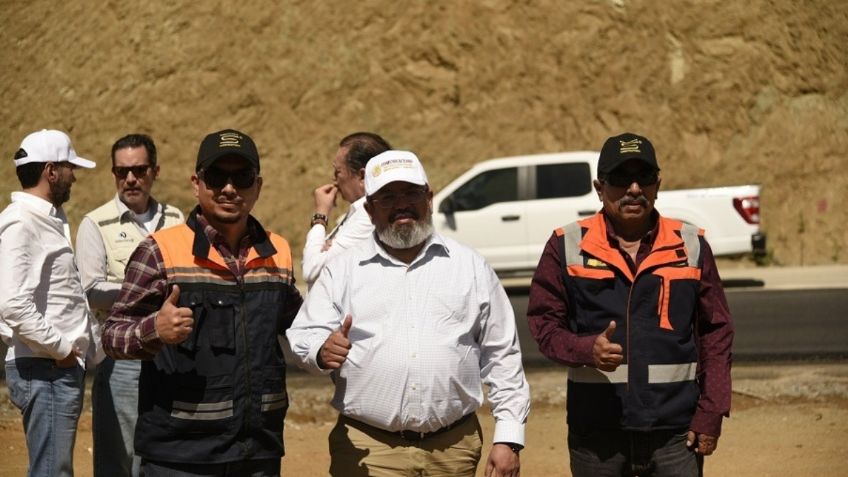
{"x": 393, "y": 166}
{"x": 49, "y": 146}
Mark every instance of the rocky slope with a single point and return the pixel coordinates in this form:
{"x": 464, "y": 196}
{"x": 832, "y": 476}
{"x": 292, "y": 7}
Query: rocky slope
{"x": 730, "y": 92}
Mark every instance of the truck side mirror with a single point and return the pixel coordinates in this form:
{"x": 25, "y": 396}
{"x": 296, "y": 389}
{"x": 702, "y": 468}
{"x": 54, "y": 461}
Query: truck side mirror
{"x": 447, "y": 206}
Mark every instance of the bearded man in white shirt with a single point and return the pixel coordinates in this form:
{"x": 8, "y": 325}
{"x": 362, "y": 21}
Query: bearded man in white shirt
{"x": 410, "y": 324}
{"x": 106, "y": 237}
{"x": 348, "y": 181}
{"x": 45, "y": 317}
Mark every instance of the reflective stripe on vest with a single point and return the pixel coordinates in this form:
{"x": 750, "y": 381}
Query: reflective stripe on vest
{"x": 206, "y": 411}
{"x": 657, "y": 374}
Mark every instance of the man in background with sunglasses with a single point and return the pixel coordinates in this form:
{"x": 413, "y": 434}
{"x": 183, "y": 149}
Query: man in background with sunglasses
{"x": 411, "y": 325}
{"x": 632, "y": 302}
{"x": 105, "y": 239}
{"x": 44, "y": 317}
{"x": 203, "y": 304}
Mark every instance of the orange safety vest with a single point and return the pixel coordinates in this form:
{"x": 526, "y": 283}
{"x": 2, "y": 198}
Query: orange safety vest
{"x": 219, "y": 396}
{"x": 655, "y": 310}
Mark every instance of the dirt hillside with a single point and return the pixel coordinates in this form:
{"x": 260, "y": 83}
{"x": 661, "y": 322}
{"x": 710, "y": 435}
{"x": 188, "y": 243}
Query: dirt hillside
{"x": 730, "y": 92}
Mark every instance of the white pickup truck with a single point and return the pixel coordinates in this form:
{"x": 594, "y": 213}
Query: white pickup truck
{"x": 507, "y": 208}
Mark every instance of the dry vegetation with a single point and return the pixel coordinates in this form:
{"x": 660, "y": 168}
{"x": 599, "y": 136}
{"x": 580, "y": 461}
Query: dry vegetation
{"x": 731, "y": 92}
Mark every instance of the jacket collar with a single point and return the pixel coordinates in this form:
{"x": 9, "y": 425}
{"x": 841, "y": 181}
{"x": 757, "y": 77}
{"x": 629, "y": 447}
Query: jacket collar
{"x": 260, "y": 242}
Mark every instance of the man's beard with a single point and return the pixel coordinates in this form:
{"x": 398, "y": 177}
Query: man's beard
{"x": 60, "y": 192}
{"x": 405, "y": 236}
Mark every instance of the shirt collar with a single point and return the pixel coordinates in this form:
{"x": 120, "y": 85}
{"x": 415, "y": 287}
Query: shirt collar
{"x": 39, "y": 205}
{"x": 256, "y": 236}
{"x": 648, "y": 238}
{"x": 123, "y": 210}
{"x": 358, "y": 204}
{"x": 433, "y": 246}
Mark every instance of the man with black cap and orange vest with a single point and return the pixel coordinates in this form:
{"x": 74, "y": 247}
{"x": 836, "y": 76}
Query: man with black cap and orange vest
{"x": 632, "y": 302}
{"x": 203, "y": 304}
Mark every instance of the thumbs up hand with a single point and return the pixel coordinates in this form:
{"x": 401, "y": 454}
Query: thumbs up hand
{"x": 173, "y": 324}
{"x": 606, "y": 354}
{"x": 333, "y": 352}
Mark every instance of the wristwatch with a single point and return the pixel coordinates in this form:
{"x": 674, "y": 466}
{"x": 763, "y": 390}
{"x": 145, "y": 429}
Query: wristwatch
{"x": 512, "y": 445}
{"x": 318, "y": 219}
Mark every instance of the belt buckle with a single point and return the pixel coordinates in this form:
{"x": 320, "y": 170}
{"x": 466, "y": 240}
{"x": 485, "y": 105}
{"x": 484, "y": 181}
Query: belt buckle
{"x": 409, "y": 435}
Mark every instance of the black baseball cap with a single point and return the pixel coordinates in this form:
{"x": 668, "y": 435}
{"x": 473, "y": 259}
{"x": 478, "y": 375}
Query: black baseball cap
{"x": 228, "y": 142}
{"x": 619, "y": 149}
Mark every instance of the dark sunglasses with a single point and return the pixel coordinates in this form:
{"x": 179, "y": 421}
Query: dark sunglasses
{"x": 218, "y": 179}
{"x": 390, "y": 201}
{"x": 123, "y": 172}
{"x": 624, "y": 180}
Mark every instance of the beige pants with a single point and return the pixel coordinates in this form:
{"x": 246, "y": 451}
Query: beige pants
{"x": 358, "y": 450}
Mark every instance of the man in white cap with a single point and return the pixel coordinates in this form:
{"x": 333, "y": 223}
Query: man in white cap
{"x": 410, "y": 324}
{"x": 46, "y": 319}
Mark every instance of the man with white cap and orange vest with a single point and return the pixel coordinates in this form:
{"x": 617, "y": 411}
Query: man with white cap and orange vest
{"x": 45, "y": 316}
{"x": 410, "y": 324}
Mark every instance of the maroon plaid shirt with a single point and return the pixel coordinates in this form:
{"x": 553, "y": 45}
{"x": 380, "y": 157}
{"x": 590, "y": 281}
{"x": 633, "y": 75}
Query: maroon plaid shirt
{"x": 547, "y": 313}
{"x": 130, "y": 331}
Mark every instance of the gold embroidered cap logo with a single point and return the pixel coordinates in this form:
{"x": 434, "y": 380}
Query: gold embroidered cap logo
{"x": 230, "y": 140}
{"x": 630, "y": 146}
{"x": 376, "y": 171}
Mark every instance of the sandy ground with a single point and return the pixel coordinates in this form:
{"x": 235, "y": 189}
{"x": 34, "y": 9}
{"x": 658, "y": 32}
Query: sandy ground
{"x": 787, "y": 419}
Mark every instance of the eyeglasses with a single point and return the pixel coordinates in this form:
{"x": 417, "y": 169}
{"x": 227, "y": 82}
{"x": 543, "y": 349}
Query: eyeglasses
{"x": 624, "y": 180}
{"x": 138, "y": 171}
{"x": 390, "y": 201}
{"x": 218, "y": 179}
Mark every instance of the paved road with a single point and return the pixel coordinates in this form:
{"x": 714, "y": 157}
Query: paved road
{"x": 770, "y": 323}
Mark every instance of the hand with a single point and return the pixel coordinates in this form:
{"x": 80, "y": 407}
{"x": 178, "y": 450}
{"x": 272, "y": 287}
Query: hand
{"x": 503, "y": 462}
{"x": 173, "y": 324}
{"x": 70, "y": 360}
{"x": 607, "y": 355}
{"x": 327, "y": 245}
{"x": 706, "y": 444}
{"x": 333, "y": 352}
{"x": 325, "y": 198}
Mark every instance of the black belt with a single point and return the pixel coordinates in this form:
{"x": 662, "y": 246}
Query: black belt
{"x": 413, "y": 436}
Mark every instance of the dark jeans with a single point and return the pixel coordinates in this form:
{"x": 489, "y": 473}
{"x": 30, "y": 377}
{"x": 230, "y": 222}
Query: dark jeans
{"x": 244, "y": 468}
{"x": 616, "y": 453}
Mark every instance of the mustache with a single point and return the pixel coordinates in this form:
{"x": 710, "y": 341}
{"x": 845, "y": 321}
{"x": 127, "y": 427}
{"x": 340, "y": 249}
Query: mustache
{"x": 403, "y": 214}
{"x": 641, "y": 200}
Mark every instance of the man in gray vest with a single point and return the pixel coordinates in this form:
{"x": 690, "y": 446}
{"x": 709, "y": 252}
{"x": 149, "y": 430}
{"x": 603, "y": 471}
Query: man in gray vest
{"x": 106, "y": 238}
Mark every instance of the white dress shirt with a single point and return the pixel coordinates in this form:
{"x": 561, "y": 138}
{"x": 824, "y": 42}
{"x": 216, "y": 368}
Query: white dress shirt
{"x": 42, "y": 303}
{"x": 424, "y": 337}
{"x": 355, "y": 227}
